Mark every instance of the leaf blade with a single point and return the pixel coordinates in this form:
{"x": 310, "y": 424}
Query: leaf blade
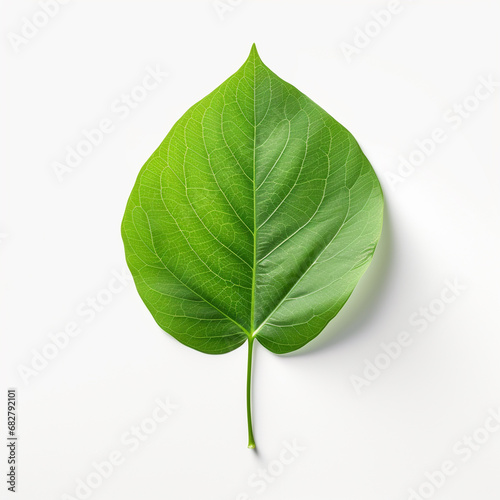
{"x": 262, "y": 213}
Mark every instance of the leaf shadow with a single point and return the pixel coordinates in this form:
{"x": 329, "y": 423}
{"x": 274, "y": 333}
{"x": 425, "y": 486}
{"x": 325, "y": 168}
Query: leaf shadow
{"x": 357, "y": 313}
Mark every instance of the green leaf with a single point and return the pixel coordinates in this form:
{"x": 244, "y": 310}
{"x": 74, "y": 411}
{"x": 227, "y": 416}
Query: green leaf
{"x": 254, "y": 219}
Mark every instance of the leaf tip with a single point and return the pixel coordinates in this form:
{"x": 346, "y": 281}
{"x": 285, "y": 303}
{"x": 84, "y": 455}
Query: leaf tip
{"x": 253, "y": 52}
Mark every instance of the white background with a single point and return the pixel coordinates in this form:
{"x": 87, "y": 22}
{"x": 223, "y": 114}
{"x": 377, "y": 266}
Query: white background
{"x": 60, "y": 243}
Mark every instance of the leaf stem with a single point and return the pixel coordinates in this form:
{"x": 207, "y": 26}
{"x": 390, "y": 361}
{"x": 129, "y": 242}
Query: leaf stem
{"x": 251, "y": 441}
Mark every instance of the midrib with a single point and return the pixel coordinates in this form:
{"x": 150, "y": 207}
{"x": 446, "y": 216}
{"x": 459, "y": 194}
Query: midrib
{"x": 254, "y": 267}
